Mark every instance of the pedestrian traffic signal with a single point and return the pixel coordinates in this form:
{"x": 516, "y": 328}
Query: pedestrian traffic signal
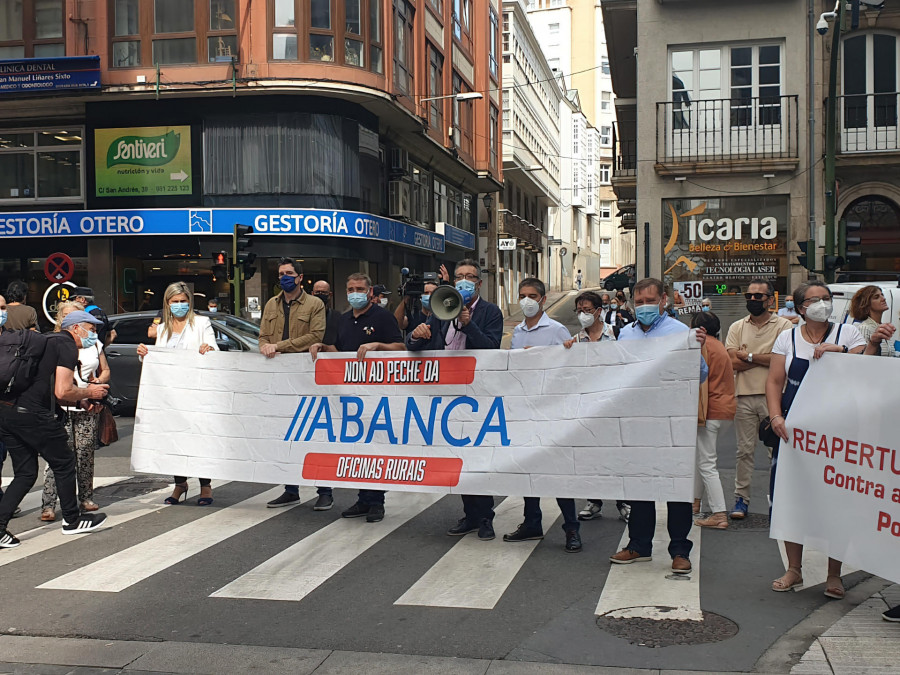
{"x": 832, "y": 262}
{"x": 242, "y": 256}
{"x": 803, "y": 259}
{"x": 847, "y": 241}
{"x": 220, "y": 265}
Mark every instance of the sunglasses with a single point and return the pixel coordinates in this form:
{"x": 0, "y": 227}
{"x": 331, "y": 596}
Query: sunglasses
{"x": 756, "y": 296}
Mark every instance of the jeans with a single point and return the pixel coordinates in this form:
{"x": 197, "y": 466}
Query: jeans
{"x": 27, "y": 435}
{"x": 370, "y": 497}
{"x": 533, "y": 514}
{"x": 706, "y": 476}
{"x": 751, "y": 409}
{"x": 478, "y": 508}
{"x": 642, "y": 525}
{"x": 295, "y": 490}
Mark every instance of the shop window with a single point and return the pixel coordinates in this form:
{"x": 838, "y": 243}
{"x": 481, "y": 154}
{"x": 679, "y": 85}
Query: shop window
{"x": 41, "y": 165}
{"x": 32, "y": 29}
{"x": 149, "y": 32}
{"x": 435, "y": 89}
{"x": 404, "y": 63}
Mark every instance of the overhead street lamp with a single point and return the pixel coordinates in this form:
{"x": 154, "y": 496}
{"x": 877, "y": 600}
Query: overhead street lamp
{"x": 464, "y": 96}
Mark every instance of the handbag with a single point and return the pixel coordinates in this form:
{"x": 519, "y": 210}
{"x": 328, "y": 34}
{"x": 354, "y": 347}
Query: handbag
{"x": 108, "y": 432}
{"x": 767, "y": 435}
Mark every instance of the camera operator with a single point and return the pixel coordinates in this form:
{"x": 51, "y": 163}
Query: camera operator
{"x": 410, "y": 312}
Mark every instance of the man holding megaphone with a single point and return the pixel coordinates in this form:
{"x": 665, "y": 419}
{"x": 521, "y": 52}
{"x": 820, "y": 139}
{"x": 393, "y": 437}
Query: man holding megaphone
{"x": 461, "y": 319}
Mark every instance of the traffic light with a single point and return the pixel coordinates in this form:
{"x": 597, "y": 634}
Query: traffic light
{"x": 220, "y": 265}
{"x": 854, "y": 14}
{"x": 803, "y": 259}
{"x": 832, "y": 262}
{"x": 847, "y": 241}
{"x": 242, "y": 256}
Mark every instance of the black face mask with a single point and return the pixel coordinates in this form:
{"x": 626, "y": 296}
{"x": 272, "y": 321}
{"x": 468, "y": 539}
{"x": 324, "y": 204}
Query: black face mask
{"x": 323, "y": 297}
{"x": 756, "y": 307}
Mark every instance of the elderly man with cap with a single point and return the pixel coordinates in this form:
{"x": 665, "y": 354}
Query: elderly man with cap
{"x": 29, "y": 426}
{"x": 85, "y": 296}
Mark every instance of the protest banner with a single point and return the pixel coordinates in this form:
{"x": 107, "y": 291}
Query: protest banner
{"x": 611, "y": 419}
{"x": 837, "y": 489}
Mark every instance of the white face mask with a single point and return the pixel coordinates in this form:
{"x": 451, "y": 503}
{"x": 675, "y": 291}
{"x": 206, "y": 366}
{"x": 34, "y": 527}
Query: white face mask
{"x": 819, "y": 310}
{"x": 530, "y": 307}
{"x": 585, "y": 319}
{"x": 383, "y": 302}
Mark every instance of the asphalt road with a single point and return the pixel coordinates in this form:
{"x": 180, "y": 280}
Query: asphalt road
{"x": 180, "y": 556}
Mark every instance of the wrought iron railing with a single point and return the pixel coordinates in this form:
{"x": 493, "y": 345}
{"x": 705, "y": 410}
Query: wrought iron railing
{"x": 868, "y": 122}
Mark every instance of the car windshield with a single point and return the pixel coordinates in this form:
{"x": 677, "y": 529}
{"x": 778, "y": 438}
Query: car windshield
{"x": 248, "y": 330}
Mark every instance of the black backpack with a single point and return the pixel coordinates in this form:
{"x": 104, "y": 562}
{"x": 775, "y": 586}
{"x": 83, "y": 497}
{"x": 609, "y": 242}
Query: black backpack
{"x": 20, "y": 354}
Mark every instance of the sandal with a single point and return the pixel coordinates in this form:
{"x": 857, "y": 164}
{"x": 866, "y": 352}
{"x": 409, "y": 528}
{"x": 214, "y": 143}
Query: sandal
{"x": 177, "y": 496}
{"x": 205, "y": 499}
{"x": 788, "y": 581}
{"x": 832, "y": 590}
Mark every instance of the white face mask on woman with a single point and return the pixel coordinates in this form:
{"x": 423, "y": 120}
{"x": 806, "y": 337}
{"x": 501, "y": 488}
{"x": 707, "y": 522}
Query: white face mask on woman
{"x": 586, "y": 319}
{"x": 820, "y": 310}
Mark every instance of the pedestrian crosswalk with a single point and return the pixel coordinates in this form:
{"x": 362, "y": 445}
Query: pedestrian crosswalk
{"x": 460, "y": 573}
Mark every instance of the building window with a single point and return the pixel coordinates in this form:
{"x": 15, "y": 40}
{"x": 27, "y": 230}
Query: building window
{"x": 606, "y": 136}
{"x": 553, "y": 29}
{"x": 605, "y": 101}
{"x": 604, "y": 174}
{"x": 146, "y": 32}
{"x": 462, "y": 117}
{"x": 435, "y": 89}
{"x": 495, "y": 135}
{"x": 41, "y": 165}
{"x": 604, "y": 66}
{"x": 438, "y": 6}
{"x": 404, "y": 64}
{"x": 869, "y": 86}
{"x": 32, "y": 29}
{"x": 495, "y": 37}
{"x": 462, "y": 16}
{"x": 605, "y": 211}
{"x": 419, "y": 195}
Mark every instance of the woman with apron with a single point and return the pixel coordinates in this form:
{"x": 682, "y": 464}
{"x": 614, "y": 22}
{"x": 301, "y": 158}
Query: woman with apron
{"x": 791, "y": 357}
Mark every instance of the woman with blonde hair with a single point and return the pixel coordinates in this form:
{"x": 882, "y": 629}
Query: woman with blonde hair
{"x": 867, "y": 306}
{"x": 181, "y": 328}
{"x": 82, "y": 426}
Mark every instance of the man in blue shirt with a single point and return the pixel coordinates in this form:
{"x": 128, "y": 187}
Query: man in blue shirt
{"x": 539, "y": 330}
{"x": 650, "y": 301}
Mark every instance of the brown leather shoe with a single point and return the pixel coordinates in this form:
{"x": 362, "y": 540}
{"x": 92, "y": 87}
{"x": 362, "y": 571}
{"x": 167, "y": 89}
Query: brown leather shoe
{"x": 626, "y": 556}
{"x": 88, "y": 505}
{"x": 681, "y": 565}
{"x": 48, "y": 515}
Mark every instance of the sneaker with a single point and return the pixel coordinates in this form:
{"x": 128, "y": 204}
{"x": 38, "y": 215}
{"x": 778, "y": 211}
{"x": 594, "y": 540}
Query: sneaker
{"x": 462, "y": 528}
{"x": 624, "y": 512}
{"x": 893, "y": 614}
{"x": 375, "y": 514}
{"x": 355, "y": 511}
{"x": 521, "y": 534}
{"x": 627, "y": 556}
{"x": 573, "y": 541}
{"x": 7, "y": 540}
{"x": 286, "y": 499}
{"x": 86, "y": 523}
{"x": 681, "y": 565}
{"x": 48, "y": 515}
{"x": 590, "y": 511}
{"x": 739, "y": 512}
{"x": 486, "y": 530}
{"x": 323, "y": 503}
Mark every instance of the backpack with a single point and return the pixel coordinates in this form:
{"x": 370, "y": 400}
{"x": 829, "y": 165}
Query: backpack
{"x": 20, "y": 354}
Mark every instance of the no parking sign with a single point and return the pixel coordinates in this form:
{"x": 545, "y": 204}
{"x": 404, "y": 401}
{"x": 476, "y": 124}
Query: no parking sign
{"x": 59, "y": 268}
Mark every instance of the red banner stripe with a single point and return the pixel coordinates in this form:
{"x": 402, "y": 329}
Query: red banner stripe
{"x": 406, "y": 370}
{"x": 381, "y": 469}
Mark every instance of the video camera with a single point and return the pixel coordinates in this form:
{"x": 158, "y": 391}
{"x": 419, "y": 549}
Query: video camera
{"x": 413, "y": 285}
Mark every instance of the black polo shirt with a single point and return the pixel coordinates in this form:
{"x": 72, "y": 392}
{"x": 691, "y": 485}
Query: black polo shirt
{"x": 376, "y": 324}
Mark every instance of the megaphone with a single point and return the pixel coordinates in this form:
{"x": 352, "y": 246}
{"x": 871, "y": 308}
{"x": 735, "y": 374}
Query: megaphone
{"x": 446, "y": 303}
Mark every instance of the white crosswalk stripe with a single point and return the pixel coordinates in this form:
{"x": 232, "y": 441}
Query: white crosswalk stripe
{"x": 48, "y": 537}
{"x": 474, "y": 574}
{"x": 298, "y": 570}
{"x": 122, "y": 570}
{"x": 649, "y": 589}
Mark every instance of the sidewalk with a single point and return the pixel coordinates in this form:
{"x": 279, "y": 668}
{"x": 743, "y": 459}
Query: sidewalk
{"x": 860, "y": 643}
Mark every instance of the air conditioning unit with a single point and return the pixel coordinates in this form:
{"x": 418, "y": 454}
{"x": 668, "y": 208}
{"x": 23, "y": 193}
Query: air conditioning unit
{"x": 398, "y": 199}
{"x": 399, "y": 162}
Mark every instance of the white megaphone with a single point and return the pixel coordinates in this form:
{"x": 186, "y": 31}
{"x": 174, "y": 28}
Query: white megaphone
{"x": 446, "y": 303}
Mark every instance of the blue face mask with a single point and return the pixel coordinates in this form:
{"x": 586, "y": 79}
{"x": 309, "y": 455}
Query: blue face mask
{"x": 704, "y": 308}
{"x": 357, "y": 300}
{"x": 426, "y": 302}
{"x": 288, "y": 283}
{"x": 466, "y": 289}
{"x": 3, "y": 315}
{"x": 180, "y": 309}
{"x": 789, "y": 304}
{"x": 213, "y": 309}
{"x": 88, "y": 340}
{"x": 647, "y": 314}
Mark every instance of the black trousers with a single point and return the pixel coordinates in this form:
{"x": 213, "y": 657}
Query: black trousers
{"x": 478, "y": 507}
{"x": 29, "y": 434}
{"x": 204, "y": 482}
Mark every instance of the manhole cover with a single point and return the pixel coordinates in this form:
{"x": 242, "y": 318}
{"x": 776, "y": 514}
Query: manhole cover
{"x": 669, "y": 633}
{"x": 126, "y": 489}
{"x": 753, "y": 521}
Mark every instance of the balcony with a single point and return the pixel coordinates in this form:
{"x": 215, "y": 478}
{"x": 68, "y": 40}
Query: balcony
{"x": 868, "y": 124}
{"x": 625, "y": 166}
{"x": 727, "y": 135}
{"x": 514, "y": 227}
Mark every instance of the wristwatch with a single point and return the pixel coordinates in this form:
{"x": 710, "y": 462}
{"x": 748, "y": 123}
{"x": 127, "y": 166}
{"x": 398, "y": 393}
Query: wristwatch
{"x": 846, "y": 349}
{"x": 750, "y": 357}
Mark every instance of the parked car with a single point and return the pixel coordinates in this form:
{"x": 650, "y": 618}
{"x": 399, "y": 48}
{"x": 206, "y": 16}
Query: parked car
{"x": 618, "y": 280}
{"x": 232, "y": 334}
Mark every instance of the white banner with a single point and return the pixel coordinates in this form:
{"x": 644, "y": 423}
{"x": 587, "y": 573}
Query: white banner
{"x": 837, "y": 488}
{"x": 611, "y": 419}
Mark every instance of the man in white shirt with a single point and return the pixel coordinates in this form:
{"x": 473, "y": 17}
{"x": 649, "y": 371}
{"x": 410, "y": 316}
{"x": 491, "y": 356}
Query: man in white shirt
{"x": 539, "y": 330}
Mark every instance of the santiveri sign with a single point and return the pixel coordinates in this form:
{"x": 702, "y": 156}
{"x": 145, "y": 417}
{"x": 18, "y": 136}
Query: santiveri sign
{"x": 725, "y": 242}
{"x": 143, "y": 161}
